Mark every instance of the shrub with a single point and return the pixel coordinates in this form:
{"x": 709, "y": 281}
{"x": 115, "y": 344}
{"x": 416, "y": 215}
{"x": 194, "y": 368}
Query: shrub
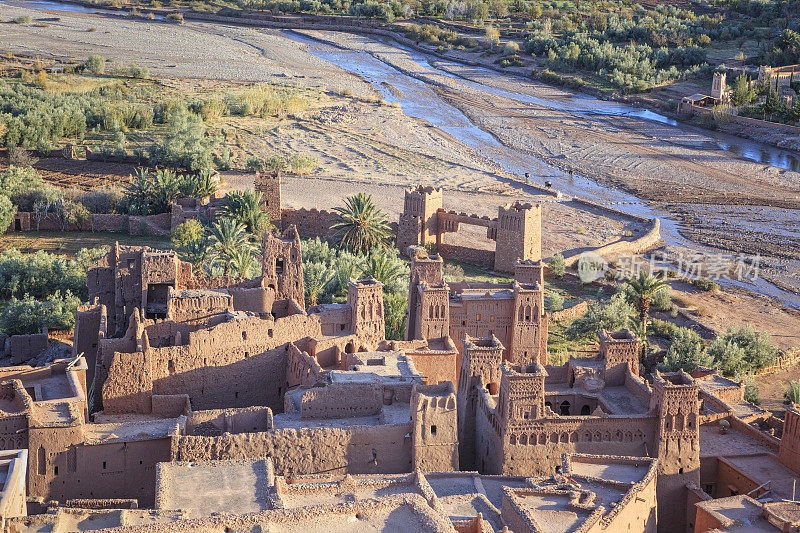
{"x": 23, "y": 19}
{"x": 662, "y": 299}
{"x": 751, "y": 392}
{"x": 104, "y": 199}
{"x": 705, "y": 284}
{"x": 131, "y": 71}
{"x": 453, "y": 272}
{"x": 187, "y": 232}
{"x": 255, "y": 164}
{"x": 95, "y": 64}
{"x": 554, "y": 301}
{"x": 741, "y": 350}
{"x": 7, "y": 212}
{"x": 492, "y": 36}
{"x": 175, "y": 17}
{"x": 556, "y": 265}
{"x": 28, "y": 315}
{"x": 303, "y": 164}
{"x": 686, "y": 351}
{"x": 511, "y": 48}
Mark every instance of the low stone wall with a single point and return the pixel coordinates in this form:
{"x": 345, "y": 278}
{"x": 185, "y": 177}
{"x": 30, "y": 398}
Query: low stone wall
{"x": 22, "y": 348}
{"x": 636, "y": 246}
{"x": 571, "y": 313}
{"x": 103, "y": 222}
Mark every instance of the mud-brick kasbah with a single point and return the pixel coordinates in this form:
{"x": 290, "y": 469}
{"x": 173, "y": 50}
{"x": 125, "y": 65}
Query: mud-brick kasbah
{"x": 224, "y": 404}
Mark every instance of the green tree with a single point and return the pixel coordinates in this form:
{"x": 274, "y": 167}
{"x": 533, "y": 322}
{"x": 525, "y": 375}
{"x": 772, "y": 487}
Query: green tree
{"x": 360, "y": 225}
{"x": 553, "y": 301}
{"x": 615, "y": 314}
{"x": 95, "y": 64}
{"x": 196, "y": 252}
{"x": 226, "y": 238}
{"x": 345, "y": 267}
{"x": 245, "y": 208}
{"x": 742, "y": 93}
{"x": 386, "y": 267}
{"x": 394, "y": 314}
{"x": 556, "y": 265}
{"x": 686, "y": 352}
{"x": 7, "y": 212}
{"x": 243, "y": 262}
{"x": 28, "y": 315}
{"x": 186, "y": 232}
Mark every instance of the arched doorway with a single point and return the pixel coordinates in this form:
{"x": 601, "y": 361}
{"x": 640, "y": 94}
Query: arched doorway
{"x": 564, "y": 408}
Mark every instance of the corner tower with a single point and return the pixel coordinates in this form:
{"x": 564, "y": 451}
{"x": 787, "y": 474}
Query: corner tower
{"x": 418, "y": 223}
{"x": 425, "y": 269}
{"x": 519, "y": 235}
{"x": 365, "y": 298}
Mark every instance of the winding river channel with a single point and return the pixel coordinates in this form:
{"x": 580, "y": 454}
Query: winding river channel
{"x": 419, "y": 100}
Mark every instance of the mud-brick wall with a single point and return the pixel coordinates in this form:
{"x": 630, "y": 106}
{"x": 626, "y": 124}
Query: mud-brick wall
{"x": 535, "y": 448}
{"x": 473, "y": 256}
{"x": 234, "y": 364}
{"x": 342, "y": 400}
{"x": 309, "y": 222}
{"x": 309, "y": 450}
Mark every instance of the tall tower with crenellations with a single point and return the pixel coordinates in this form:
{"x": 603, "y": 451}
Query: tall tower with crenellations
{"x": 425, "y": 269}
{"x": 269, "y": 185}
{"x": 418, "y": 224}
{"x": 519, "y": 235}
{"x": 365, "y": 298}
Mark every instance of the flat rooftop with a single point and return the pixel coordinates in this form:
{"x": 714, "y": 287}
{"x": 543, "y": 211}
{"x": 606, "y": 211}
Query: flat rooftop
{"x": 201, "y": 488}
{"x": 766, "y": 469}
{"x": 743, "y": 512}
{"x": 127, "y": 428}
{"x": 376, "y": 367}
{"x": 623, "y": 473}
{"x": 732, "y": 443}
{"x": 91, "y": 520}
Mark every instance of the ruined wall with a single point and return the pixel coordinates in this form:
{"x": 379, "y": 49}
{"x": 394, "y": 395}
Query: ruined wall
{"x": 342, "y": 400}
{"x": 22, "y": 348}
{"x": 250, "y": 355}
{"x": 219, "y": 421}
{"x": 62, "y": 466}
{"x": 309, "y": 450}
{"x": 436, "y": 365}
{"x": 90, "y": 327}
{"x": 309, "y": 222}
{"x": 301, "y": 369}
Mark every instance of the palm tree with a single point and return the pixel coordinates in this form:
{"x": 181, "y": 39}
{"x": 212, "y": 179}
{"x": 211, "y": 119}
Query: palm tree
{"x": 792, "y": 392}
{"x": 317, "y": 278}
{"x": 387, "y": 268}
{"x": 242, "y": 262}
{"x": 246, "y": 209}
{"x": 361, "y": 226}
{"x": 644, "y": 287}
{"x": 227, "y": 237}
{"x": 198, "y": 185}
